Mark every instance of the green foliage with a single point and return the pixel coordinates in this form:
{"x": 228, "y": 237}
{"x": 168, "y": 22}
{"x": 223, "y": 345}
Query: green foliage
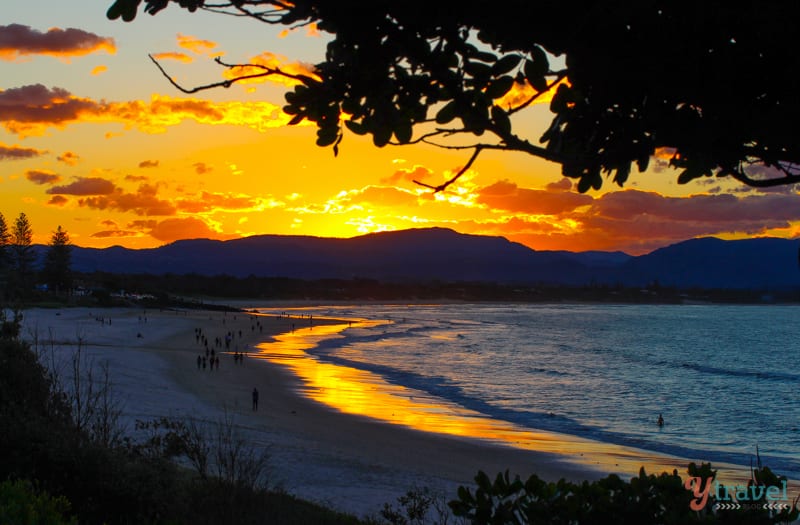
{"x": 22, "y": 258}
{"x": 9, "y": 328}
{"x": 418, "y": 506}
{"x": 22, "y": 504}
{"x": 5, "y": 240}
{"x": 25, "y": 386}
{"x": 57, "y": 267}
{"x": 644, "y": 499}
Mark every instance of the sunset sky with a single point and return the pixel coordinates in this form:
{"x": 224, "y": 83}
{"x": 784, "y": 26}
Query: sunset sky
{"x": 94, "y": 139}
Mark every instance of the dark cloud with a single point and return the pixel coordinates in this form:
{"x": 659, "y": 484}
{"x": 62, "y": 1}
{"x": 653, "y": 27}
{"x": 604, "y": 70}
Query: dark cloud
{"x": 105, "y": 234}
{"x": 564, "y": 184}
{"x": 19, "y": 40}
{"x": 137, "y": 178}
{"x": 84, "y": 186}
{"x": 722, "y": 208}
{"x": 68, "y": 158}
{"x": 638, "y": 222}
{"x": 201, "y": 168}
{"x": 57, "y": 200}
{"x": 507, "y": 196}
{"x": 148, "y": 224}
{"x": 42, "y": 177}
{"x": 148, "y": 164}
{"x": 30, "y": 110}
{"x": 143, "y": 202}
{"x": 18, "y": 152}
{"x": 29, "y": 107}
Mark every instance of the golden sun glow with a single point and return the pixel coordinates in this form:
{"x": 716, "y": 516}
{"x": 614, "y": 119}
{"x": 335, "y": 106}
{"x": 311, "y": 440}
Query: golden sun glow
{"x": 362, "y": 393}
{"x": 104, "y": 146}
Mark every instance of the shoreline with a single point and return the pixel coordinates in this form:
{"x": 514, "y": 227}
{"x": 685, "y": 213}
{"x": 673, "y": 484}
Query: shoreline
{"x": 349, "y": 462}
{"x": 403, "y": 407}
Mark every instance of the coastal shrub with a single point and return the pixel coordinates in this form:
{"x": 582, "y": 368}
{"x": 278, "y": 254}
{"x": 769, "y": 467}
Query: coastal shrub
{"x": 208, "y": 447}
{"x": 109, "y": 481}
{"x": 22, "y": 504}
{"x": 645, "y": 499}
{"x": 418, "y": 506}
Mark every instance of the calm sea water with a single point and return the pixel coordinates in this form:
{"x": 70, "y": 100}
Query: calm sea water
{"x": 725, "y": 378}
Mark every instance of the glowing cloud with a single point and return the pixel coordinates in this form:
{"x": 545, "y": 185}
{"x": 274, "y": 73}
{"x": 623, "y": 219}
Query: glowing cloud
{"x": 18, "y": 152}
{"x": 170, "y": 230}
{"x": 207, "y": 202}
{"x": 381, "y": 196}
{"x": 272, "y": 61}
{"x": 195, "y": 45}
{"x": 180, "y": 57}
{"x": 311, "y": 30}
{"x": 18, "y": 40}
{"x": 522, "y": 92}
{"x": 408, "y": 175}
{"x": 30, "y": 110}
{"x": 98, "y": 70}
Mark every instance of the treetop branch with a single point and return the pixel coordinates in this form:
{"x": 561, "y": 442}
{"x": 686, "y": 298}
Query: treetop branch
{"x": 266, "y": 71}
{"x": 451, "y": 180}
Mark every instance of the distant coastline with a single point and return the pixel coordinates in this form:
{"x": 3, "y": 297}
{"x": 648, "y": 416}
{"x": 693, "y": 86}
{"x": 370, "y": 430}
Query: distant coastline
{"x": 199, "y": 291}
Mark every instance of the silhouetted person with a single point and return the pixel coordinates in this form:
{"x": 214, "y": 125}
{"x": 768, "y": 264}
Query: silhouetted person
{"x": 660, "y": 420}
{"x": 255, "y": 399}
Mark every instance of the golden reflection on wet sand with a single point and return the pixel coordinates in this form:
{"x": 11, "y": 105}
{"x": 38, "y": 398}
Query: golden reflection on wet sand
{"x": 363, "y": 393}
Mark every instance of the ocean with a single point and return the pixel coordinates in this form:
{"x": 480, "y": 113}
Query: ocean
{"x": 726, "y": 378}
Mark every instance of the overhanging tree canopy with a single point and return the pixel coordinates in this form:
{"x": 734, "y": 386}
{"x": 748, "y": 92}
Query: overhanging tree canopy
{"x": 714, "y": 85}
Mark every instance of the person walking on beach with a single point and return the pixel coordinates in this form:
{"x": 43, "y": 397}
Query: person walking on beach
{"x": 255, "y": 399}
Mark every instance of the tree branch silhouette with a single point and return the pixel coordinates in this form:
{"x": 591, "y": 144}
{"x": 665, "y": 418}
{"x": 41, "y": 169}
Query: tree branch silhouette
{"x": 266, "y": 72}
{"x": 462, "y": 171}
{"x": 389, "y": 65}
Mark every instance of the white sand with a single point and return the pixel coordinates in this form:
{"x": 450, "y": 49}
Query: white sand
{"x": 349, "y": 462}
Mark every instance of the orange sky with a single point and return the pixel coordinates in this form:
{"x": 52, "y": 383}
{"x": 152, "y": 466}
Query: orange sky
{"x": 94, "y": 139}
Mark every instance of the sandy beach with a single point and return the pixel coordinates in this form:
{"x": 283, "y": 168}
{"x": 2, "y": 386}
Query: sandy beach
{"x": 349, "y": 462}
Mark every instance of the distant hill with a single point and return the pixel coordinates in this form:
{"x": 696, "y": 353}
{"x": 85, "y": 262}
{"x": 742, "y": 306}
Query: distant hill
{"x": 763, "y": 263}
{"x": 441, "y": 254}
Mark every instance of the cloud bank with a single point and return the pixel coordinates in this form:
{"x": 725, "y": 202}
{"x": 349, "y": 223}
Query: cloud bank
{"x": 18, "y": 40}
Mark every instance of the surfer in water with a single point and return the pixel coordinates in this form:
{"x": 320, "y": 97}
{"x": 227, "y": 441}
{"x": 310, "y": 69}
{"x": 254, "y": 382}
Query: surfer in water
{"x": 660, "y": 420}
